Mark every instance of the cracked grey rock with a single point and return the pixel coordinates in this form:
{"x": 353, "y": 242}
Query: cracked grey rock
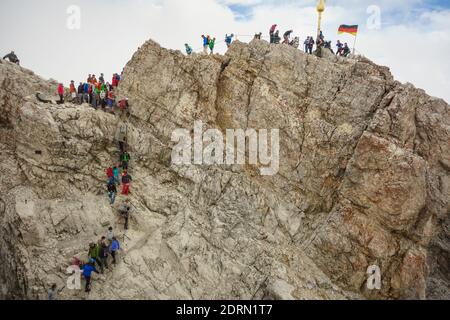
{"x": 364, "y": 179}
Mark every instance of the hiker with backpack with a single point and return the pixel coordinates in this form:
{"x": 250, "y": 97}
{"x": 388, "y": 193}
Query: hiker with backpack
{"x": 123, "y": 105}
{"x": 310, "y": 45}
{"x": 110, "y": 235}
{"x": 115, "y": 80}
{"x": 93, "y": 253}
{"x": 125, "y": 160}
{"x": 61, "y": 93}
{"x": 104, "y": 252}
{"x": 110, "y": 174}
{"x": 228, "y": 39}
{"x": 188, "y": 49}
{"x": 125, "y": 212}
{"x": 115, "y": 247}
{"x": 110, "y": 101}
{"x": 116, "y": 173}
{"x": 88, "y": 269}
{"x": 112, "y": 192}
{"x": 271, "y": 33}
{"x": 126, "y": 181}
{"x": 72, "y": 90}
{"x": 102, "y": 97}
{"x": 287, "y": 36}
{"x": 80, "y": 93}
{"x": 205, "y": 44}
{"x": 340, "y": 48}
{"x": 52, "y": 293}
{"x": 86, "y": 97}
{"x": 212, "y": 43}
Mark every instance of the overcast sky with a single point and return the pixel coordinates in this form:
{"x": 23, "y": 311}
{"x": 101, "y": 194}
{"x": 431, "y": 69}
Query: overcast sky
{"x": 413, "y": 37}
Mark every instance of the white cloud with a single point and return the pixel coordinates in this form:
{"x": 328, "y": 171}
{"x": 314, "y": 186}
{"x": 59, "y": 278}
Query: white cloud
{"x": 416, "y": 47}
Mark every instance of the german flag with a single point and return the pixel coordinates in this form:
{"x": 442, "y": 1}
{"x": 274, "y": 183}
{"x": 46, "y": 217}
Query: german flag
{"x": 348, "y": 29}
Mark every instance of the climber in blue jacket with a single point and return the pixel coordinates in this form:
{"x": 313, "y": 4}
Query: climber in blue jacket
{"x": 87, "y": 273}
{"x": 229, "y": 39}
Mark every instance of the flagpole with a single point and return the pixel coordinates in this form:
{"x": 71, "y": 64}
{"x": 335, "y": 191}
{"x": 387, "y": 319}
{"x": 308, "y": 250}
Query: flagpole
{"x": 354, "y": 44}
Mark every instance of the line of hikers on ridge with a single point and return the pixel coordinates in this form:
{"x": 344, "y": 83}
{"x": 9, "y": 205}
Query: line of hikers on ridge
{"x": 109, "y": 245}
{"x": 342, "y": 49}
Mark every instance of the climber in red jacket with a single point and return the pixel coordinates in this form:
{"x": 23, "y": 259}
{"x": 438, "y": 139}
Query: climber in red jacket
{"x": 61, "y": 93}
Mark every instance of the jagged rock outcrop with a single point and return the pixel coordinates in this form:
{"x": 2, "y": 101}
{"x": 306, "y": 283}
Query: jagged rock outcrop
{"x": 363, "y": 180}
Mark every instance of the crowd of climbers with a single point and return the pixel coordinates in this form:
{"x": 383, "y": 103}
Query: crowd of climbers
{"x": 275, "y": 38}
{"x": 100, "y": 94}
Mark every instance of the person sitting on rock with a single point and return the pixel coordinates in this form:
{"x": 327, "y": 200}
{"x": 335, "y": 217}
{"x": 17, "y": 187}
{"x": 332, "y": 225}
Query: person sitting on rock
{"x": 12, "y": 57}
{"x": 126, "y": 181}
{"x": 276, "y": 37}
{"x": 61, "y": 93}
{"x": 295, "y": 43}
{"x": 346, "y": 50}
{"x": 327, "y": 45}
{"x": 87, "y": 273}
{"x": 188, "y": 49}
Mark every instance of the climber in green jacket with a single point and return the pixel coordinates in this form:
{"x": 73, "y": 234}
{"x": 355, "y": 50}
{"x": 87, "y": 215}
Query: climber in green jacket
{"x": 94, "y": 253}
{"x": 212, "y": 42}
{"x": 125, "y": 158}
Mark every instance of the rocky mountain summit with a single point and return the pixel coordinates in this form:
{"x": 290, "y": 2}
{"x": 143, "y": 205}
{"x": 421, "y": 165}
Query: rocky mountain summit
{"x": 363, "y": 180}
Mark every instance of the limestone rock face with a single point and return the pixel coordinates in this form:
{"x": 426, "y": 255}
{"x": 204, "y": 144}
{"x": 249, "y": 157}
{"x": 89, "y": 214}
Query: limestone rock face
{"x": 363, "y": 180}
